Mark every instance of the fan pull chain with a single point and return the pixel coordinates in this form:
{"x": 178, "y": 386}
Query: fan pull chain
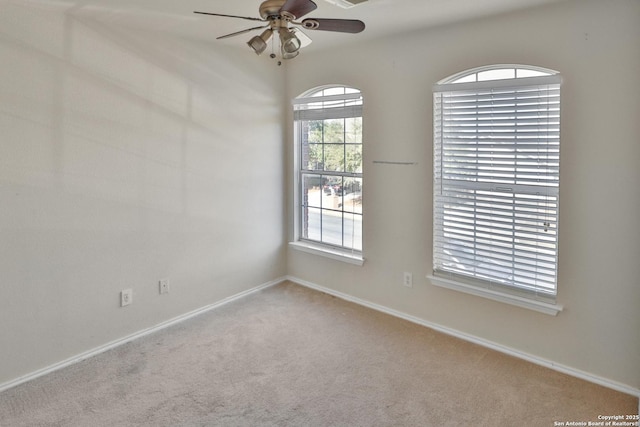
{"x": 273, "y": 51}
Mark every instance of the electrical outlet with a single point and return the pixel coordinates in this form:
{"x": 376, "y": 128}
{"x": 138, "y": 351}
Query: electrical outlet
{"x": 408, "y": 279}
{"x": 126, "y": 297}
{"x": 164, "y": 286}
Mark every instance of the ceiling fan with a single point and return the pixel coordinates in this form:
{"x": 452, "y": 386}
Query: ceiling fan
{"x": 278, "y": 15}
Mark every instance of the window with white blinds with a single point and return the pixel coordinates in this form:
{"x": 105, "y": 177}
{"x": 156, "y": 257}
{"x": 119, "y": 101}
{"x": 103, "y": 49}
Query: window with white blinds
{"x": 496, "y": 179}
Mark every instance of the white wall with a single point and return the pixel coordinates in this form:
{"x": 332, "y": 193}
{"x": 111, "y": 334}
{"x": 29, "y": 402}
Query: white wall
{"x": 129, "y": 157}
{"x": 596, "y": 47}
{"x": 126, "y": 158}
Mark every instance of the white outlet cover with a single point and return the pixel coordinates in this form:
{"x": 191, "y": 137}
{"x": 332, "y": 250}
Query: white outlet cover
{"x": 126, "y": 297}
{"x": 163, "y": 286}
{"x": 408, "y": 280}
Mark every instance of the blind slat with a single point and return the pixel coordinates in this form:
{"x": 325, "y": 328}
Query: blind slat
{"x": 328, "y": 113}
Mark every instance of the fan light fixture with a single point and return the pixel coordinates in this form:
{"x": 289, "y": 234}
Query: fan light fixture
{"x": 259, "y": 43}
{"x": 290, "y": 44}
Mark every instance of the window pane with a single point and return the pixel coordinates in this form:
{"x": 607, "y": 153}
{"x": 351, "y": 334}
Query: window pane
{"x": 353, "y": 231}
{"x": 332, "y": 187}
{"x": 352, "y": 195}
{"x": 353, "y": 158}
{"x": 311, "y": 190}
{"x": 530, "y": 73}
{"x": 332, "y": 227}
{"x": 334, "y": 157}
{"x": 333, "y": 91}
{"x": 312, "y": 157}
{"x": 501, "y": 74}
{"x": 313, "y": 129}
{"x": 311, "y": 224}
{"x": 467, "y": 79}
{"x": 334, "y": 131}
{"x": 353, "y": 130}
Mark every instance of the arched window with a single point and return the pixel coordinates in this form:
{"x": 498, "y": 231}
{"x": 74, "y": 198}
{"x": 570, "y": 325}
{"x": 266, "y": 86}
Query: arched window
{"x": 328, "y": 138}
{"x": 496, "y": 182}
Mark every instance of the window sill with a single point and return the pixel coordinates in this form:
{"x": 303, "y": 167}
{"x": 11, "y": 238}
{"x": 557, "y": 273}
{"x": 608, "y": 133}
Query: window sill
{"x": 331, "y": 253}
{"x": 540, "y": 306}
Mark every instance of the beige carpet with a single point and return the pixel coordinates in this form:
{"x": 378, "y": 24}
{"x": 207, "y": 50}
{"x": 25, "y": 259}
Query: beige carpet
{"x": 289, "y": 356}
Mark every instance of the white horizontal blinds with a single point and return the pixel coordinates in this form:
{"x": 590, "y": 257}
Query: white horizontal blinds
{"x": 328, "y": 107}
{"x": 496, "y": 182}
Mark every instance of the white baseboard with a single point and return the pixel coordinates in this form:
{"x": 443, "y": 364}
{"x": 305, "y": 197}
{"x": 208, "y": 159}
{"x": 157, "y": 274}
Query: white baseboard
{"x": 134, "y": 336}
{"x": 476, "y": 340}
{"x": 467, "y": 337}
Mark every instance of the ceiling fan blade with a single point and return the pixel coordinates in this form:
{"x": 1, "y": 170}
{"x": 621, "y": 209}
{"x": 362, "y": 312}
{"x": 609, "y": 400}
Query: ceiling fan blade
{"x": 298, "y": 8}
{"x": 231, "y": 16}
{"x": 304, "y": 39}
{"x": 237, "y": 33}
{"x": 339, "y": 25}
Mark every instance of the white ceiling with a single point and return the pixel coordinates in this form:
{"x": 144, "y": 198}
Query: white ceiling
{"x": 382, "y": 17}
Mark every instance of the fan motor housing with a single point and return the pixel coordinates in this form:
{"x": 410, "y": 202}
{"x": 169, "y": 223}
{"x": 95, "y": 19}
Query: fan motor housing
{"x": 271, "y": 8}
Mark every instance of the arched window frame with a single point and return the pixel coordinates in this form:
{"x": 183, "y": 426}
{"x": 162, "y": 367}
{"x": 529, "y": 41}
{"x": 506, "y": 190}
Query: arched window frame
{"x": 496, "y": 184}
